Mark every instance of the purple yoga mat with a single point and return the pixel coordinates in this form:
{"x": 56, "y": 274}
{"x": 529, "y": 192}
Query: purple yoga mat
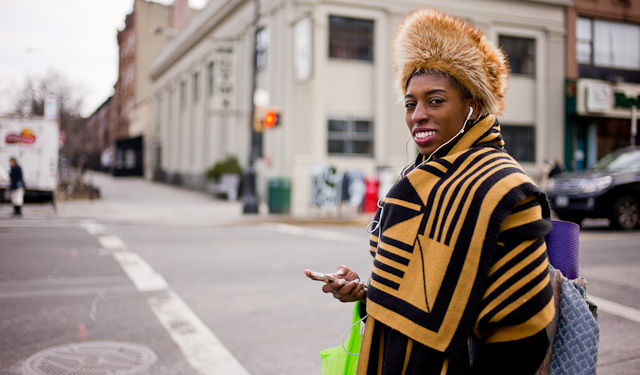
{"x": 563, "y": 247}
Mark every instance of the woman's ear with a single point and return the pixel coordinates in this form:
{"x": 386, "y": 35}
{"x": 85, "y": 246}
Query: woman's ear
{"x": 476, "y": 110}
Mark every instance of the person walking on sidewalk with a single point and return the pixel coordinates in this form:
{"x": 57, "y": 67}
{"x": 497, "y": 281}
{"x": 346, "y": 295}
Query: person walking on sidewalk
{"x": 460, "y": 282}
{"x": 16, "y": 187}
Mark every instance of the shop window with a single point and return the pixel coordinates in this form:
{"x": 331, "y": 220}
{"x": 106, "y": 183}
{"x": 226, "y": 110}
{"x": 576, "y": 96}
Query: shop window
{"x": 350, "y": 38}
{"x": 350, "y": 137}
{"x": 520, "y": 142}
{"x": 521, "y": 53}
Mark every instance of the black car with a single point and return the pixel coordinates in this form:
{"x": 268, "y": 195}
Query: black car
{"x": 610, "y": 189}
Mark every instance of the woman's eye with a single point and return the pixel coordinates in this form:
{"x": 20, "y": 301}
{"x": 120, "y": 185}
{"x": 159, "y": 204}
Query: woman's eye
{"x": 409, "y": 105}
{"x": 436, "y": 101}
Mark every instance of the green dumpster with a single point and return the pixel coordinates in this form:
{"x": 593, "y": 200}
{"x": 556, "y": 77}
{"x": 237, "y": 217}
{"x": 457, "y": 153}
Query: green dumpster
{"x": 279, "y": 196}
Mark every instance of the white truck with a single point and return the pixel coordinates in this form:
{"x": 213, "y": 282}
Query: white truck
{"x": 34, "y": 142}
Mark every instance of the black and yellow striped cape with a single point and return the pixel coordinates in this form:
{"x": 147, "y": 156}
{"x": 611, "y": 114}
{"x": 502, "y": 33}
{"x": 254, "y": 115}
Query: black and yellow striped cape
{"x": 460, "y": 250}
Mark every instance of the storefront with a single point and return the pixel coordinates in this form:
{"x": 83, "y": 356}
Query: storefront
{"x": 599, "y": 120}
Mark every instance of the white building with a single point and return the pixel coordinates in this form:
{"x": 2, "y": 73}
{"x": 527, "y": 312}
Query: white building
{"x": 327, "y": 66}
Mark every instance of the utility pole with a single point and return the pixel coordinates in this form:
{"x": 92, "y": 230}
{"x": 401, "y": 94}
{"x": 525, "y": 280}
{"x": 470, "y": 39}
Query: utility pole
{"x": 249, "y": 197}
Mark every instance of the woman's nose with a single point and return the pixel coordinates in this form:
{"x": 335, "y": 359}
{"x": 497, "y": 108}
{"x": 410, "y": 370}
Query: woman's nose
{"x": 420, "y": 113}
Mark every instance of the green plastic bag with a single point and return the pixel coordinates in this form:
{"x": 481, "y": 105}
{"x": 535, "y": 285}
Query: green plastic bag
{"x": 336, "y": 360}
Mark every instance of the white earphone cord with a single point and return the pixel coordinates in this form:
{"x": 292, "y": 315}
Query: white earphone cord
{"x": 376, "y": 223}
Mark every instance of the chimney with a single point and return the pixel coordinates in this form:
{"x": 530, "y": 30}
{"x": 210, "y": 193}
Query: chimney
{"x": 181, "y": 13}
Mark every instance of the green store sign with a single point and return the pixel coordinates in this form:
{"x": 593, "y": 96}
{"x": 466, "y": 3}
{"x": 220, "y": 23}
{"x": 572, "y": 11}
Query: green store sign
{"x": 624, "y": 101}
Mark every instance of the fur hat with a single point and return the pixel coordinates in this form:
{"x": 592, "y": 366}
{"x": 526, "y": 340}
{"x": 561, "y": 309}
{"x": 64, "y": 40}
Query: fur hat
{"x": 431, "y": 40}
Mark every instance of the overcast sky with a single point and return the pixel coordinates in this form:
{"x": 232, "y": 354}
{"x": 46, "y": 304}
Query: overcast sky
{"x": 75, "y": 37}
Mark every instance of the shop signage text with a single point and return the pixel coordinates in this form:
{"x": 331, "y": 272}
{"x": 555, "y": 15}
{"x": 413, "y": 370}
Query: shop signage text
{"x": 624, "y": 101}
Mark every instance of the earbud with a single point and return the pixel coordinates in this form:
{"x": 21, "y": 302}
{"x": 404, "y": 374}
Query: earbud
{"x": 467, "y": 119}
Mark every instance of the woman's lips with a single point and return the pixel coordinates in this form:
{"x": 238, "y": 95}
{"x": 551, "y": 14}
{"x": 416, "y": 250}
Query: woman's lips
{"x": 422, "y": 137}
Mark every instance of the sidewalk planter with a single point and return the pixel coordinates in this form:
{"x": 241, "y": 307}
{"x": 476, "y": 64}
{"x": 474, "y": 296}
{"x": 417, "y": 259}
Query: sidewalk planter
{"x": 279, "y": 196}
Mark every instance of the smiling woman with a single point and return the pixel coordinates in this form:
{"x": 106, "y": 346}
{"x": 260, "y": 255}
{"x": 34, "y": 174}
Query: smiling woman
{"x": 460, "y": 281}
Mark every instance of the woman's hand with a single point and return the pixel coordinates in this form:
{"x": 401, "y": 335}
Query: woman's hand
{"x": 348, "y": 288}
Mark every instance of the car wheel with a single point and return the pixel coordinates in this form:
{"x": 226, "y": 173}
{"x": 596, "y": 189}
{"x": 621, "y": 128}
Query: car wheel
{"x": 625, "y": 213}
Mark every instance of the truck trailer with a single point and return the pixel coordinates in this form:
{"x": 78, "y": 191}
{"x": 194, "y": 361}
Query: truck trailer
{"x": 34, "y": 142}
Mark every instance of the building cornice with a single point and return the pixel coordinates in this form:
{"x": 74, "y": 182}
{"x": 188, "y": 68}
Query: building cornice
{"x": 197, "y": 29}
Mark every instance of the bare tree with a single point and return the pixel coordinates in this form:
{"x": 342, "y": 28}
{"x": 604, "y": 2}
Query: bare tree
{"x": 30, "y": 101}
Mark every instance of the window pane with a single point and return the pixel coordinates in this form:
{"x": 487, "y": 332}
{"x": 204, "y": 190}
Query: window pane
{"x": 583, "y": 29}
{"x": 337, "y": 147}
{"x": 363, "y": 126}
{"x": 583, "y": 53}
{"x": 363, "y": 147}
{"x": 520, "y": 53}
{"x": 350, "y": 38}
{"x": 337, "y": 126}
{"x": 616, "y": 45}
{"x": 520, "y": 142}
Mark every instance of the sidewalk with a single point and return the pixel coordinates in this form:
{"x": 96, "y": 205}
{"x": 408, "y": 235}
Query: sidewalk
{"x": 136, "y": 200}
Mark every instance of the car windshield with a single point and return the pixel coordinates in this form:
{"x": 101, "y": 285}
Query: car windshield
{"x": 617, "y": 162}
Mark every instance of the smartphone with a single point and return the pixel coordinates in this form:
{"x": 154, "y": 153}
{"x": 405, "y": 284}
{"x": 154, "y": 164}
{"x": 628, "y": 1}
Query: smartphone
{"x": 322, "y": 277}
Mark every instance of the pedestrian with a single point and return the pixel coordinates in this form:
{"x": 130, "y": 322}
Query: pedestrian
{"x": 16, "y": 187}
{"x": 558, "y": 167}
{"x": 543, "y": 174}
{"x": 459, "y": 281}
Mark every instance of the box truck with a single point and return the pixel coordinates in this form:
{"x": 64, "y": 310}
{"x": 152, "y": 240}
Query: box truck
{"x": 34, "y": 142}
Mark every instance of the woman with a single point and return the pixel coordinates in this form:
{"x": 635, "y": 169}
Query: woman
{"x": 17, "y": 186}
{"x": 460, "y": 281}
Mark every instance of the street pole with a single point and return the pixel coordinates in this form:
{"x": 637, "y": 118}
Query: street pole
{"x": 634, "y": 124}
{"x": 249, "y": 197}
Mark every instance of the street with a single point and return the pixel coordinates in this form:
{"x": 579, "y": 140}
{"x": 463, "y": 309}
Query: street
{"x": 195, "y": 287}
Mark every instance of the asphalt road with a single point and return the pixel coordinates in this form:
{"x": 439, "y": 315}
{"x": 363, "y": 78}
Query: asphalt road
{"x": 209, "y": 291}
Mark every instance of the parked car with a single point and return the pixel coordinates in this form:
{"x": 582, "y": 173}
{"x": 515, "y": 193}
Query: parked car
{"x": 610, "y": 189}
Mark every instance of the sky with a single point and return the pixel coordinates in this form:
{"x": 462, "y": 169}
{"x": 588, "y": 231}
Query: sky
{"x": 76, "y": 38}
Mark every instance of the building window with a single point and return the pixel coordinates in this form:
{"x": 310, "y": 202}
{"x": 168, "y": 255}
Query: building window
{"x": 196, "y": 86}
{"x": 521, "y": 53}
{"x": 183, "y": 94}
{"x": 608, "y": 44}
{"x": 211, "y": 77}
{"x": 520, "y": 142}
{"x": 350, "y": 38}
{"x": 350, "y": 137}
{"x": 262, "y": 43}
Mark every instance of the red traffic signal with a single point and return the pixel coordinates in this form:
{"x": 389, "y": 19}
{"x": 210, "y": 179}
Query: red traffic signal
{"x": 270, "y": 119}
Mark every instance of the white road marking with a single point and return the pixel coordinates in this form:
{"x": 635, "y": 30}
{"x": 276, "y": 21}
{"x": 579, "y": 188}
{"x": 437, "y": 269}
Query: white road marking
{"x": 202, "y": 349}
{"x": 315, "y": 233}
{"x": 111, "y": 243}
{"x": 617, "y": 309}
{"x": 200, "y": 346}
{"x": 93, "y": 228}
{"x": 145, "y": 278}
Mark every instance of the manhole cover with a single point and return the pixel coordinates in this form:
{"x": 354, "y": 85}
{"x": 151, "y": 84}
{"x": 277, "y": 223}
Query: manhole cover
{"x": 91, "y": 358}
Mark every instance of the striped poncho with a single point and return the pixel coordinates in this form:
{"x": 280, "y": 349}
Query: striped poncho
{"x": 459, "y": 253}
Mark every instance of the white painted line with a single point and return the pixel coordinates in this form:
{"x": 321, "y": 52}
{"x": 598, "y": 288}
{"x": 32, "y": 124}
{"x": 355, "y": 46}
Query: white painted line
{"x": 93, "y": 228}
{"x": 111, "y": 243}
{"x": 617, "y": 309}
{"x": 145, "y": 278}
{"x": 200, "y": 346}
{"x": 315, "y": 233}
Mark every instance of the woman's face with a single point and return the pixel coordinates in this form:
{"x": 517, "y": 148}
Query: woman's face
{"x": 435, "y": 112}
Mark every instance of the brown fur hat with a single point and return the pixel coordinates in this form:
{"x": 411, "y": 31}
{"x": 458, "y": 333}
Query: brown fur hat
{"x": 429, "y": 40}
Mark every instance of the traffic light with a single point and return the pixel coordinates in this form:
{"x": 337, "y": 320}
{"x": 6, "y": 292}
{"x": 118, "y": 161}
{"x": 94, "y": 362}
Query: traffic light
{"x": 266, "y": 118}
{"x": 270, "y": 119}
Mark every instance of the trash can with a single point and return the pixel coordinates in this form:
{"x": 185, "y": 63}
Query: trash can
{"x": 279, "y": 196}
